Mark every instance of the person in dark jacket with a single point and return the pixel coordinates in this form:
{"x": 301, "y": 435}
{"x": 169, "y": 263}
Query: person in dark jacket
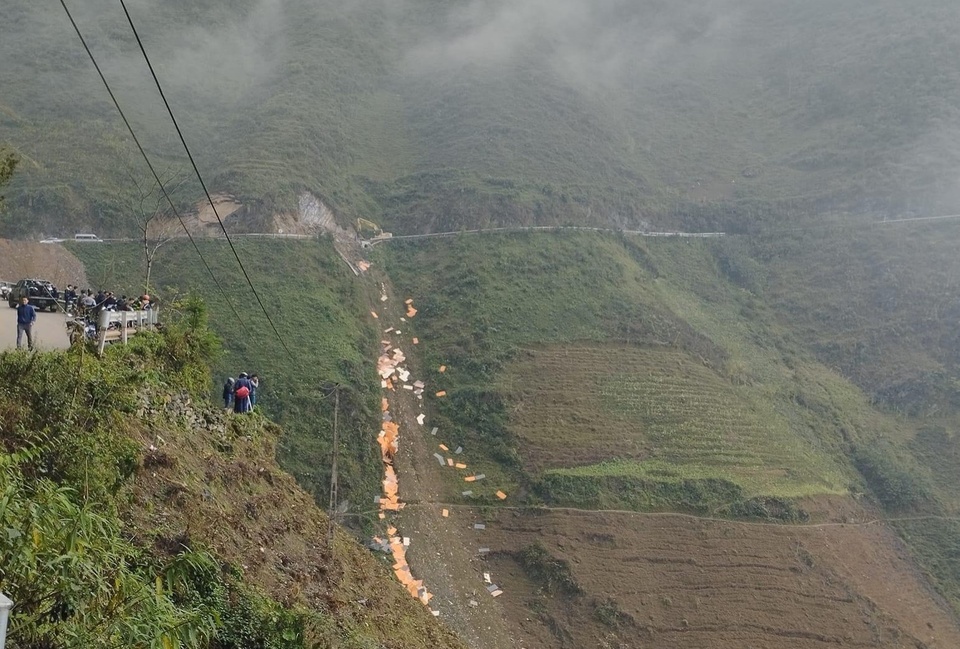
{"x": 70, "y": 298}
{"x": 241, "y": 393}
{"x": 26, "y": 316}
{"x": 228, "y": 392}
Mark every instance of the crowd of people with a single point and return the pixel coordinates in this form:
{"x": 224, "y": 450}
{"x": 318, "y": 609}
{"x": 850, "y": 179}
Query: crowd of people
{"x": 87, "y": 304}
{"x": 241, "y": 392}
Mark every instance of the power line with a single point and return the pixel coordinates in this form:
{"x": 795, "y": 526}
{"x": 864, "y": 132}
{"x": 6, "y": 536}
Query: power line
{"x": 146, "y": 159}
{"x": 200, "y": 178}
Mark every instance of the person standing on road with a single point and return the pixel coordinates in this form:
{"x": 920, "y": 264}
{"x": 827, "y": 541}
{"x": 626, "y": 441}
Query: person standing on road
{"x": 70, "y": 298}
{"x": 26, "y": 316}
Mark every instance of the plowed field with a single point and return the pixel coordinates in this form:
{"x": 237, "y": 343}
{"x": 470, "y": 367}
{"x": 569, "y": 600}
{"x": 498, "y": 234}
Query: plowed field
{"x": 669, "y": 581}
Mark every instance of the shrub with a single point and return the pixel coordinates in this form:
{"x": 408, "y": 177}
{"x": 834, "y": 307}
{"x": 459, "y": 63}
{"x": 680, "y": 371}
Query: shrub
{"x": 893, "y": 483}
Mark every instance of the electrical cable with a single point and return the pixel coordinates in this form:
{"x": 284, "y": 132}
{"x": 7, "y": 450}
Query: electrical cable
{"x": 146, "y": 159}
{"x": 200, "y": 178}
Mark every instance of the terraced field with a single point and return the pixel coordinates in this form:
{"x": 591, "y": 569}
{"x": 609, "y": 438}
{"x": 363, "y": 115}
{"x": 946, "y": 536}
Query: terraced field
{"x": 600, "y": 411}
{"x": 621, "y": 580}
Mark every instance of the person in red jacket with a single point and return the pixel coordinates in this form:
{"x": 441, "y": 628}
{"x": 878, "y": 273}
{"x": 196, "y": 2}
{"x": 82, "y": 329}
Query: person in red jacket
{"x": 241, "y": 393}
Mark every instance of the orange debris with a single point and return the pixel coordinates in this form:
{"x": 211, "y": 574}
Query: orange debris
{"x": 445, "y": 513}
{"x": 501, "y": 495}
{"x": 442, "y": 393}
{"x": 411, "y": 312}
{"x": 449, "y": 461}
{"x": 470, "y": 478}
{"x": 416, "y": 341}
{"x": 374, "y": 314}
{"x": 408, "y": 301}
{"x": 461, "y": 465}
{"x": 443, "y": 447}
{"x": 443, "y": 368}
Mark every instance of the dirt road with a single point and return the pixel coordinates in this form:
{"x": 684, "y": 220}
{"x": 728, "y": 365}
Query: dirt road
{"x": 443, "y": 550}
{"x": 50, "y": 332}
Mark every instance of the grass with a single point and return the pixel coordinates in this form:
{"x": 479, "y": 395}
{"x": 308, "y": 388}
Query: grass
{"x": 135, "y": 514}
{"x": 658, "y": 415}
{"x": 590, "y": 365}
{"x": 318, "y": 307}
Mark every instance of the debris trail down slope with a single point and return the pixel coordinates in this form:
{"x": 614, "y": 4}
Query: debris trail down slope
{"x": 440, "y": 548}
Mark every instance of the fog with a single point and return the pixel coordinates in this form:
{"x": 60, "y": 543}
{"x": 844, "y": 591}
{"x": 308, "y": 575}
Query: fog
{"x": 585, "y": 42}
{"x": 806, "y": 98}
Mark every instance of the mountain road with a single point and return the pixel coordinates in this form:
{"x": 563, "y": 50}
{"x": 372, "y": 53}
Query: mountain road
{"x": 50, "y": 331}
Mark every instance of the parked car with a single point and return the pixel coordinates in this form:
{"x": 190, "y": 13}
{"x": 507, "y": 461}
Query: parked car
{"x": 41, "y": 293}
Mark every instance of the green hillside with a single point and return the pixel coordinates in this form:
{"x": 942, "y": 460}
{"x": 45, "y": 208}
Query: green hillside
{"x": 430, "y": 115}
{"x": 318, "y": 308}
{"x": 628, "y": 373}
{"x": 135, "y": 514}
{"x": 608, "y": 372}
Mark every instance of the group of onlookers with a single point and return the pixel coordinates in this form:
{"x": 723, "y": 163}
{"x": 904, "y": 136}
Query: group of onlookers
{"x": 241, "y": 392}
{"x": 87, "y": 304}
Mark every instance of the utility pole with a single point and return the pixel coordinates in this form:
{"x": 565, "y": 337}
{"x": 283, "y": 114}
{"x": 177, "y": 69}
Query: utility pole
{"x": 334, "y": 499}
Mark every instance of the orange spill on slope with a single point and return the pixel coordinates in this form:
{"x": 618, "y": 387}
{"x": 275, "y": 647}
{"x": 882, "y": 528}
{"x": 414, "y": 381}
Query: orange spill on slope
{"x": 388, "y": 367}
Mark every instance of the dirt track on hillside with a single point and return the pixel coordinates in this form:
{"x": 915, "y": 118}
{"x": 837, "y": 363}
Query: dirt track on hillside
{"x": 443, "y": 551}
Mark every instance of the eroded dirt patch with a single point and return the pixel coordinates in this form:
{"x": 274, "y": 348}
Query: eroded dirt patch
{"x": 53, "y": 262}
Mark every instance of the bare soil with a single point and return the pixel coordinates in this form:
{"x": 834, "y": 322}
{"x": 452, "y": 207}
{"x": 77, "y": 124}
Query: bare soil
{"x": 52, "y": 262}
{"x": 675, "y": 581}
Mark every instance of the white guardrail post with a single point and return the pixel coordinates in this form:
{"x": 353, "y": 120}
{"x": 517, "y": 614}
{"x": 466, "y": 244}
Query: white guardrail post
{"x": 149, "y": 318}
{"x": 5, "y": 605}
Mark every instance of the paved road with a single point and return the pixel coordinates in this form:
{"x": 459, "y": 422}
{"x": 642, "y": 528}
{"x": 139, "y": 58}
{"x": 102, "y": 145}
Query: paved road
{"x": 50, "y": 332}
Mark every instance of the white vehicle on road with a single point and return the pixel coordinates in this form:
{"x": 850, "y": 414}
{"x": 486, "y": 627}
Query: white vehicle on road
{"x": 51, "y": 240}
{"x": 87, "y": 237}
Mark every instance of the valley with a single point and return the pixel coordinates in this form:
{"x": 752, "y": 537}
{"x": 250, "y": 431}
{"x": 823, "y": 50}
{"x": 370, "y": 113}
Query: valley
{"x": 602, "y": 382}
{"x": 653, "y": 342}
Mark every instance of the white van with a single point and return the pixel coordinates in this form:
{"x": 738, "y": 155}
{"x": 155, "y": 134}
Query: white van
{"x": 87, "y": 237}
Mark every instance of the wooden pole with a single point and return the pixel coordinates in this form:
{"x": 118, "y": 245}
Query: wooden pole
{"x": 333, "y": 473}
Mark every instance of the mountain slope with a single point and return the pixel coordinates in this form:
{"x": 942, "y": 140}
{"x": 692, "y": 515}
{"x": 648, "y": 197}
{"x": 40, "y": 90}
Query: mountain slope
{"x": 135, "y": 514}
{"x": 437, "y": 115}
{"x": 604, "y": 372}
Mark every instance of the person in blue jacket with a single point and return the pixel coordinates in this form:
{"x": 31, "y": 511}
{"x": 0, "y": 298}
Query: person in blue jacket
{"x": 26, "y": 316}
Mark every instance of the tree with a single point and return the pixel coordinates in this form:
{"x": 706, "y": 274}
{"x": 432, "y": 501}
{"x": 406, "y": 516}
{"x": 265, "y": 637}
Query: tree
{"x": 150, "y": 209}
{"x": 8, "y": 164}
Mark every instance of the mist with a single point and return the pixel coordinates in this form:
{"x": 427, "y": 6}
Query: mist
{"x": 586, "y": 44}
{"x": 713, "y": 101}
